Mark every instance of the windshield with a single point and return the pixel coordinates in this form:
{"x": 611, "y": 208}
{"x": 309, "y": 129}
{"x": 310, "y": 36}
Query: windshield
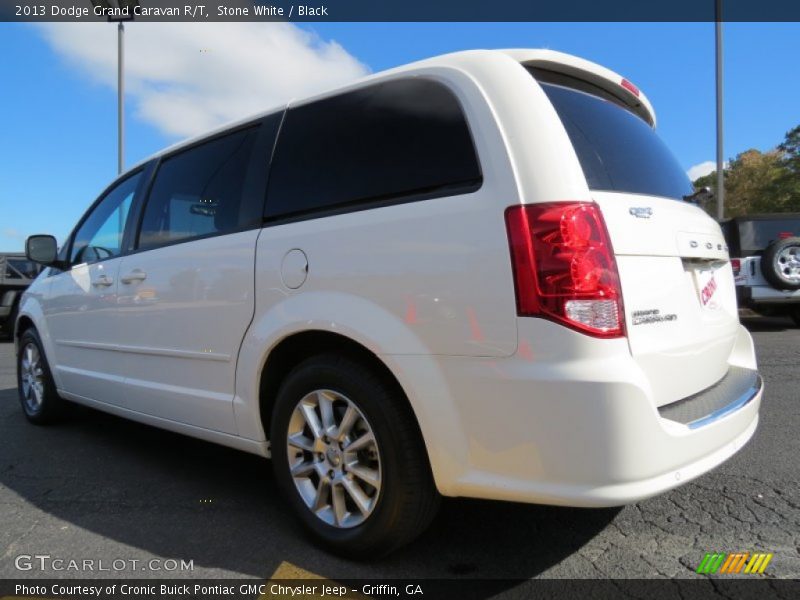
{"x": 617, "y": 150}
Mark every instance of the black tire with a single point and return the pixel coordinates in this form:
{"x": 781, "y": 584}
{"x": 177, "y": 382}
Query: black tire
{"x": 46, "y": 407}
{"x": 780, "y": 273}
{"x": 407, "y": 499}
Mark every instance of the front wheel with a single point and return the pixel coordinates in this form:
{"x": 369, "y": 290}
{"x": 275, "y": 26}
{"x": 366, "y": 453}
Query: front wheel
{"x": 37, "y": 390}
{"x": 348, "y": 457}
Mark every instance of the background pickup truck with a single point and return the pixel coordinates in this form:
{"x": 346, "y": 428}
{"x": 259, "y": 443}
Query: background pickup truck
{"x": 16, "y": 274}
{"x": 767, "y": 264}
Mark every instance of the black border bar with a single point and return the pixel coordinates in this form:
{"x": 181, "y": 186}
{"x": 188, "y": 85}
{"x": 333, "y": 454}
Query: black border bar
{"x": 729, "y": 587}
{"x": 410, "y": 10}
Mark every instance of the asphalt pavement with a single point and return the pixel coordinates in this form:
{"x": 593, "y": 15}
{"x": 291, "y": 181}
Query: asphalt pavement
{"x": 99, "y": 487}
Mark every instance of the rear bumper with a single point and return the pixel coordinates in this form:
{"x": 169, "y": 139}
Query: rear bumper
{"x": 752, "y": 296}
{"x": 738, "y": 388}
{"x": 583, "y": 433}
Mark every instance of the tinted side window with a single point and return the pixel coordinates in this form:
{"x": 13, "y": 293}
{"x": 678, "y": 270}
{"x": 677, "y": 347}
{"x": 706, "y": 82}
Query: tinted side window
{"x": 199, "y": 191}
{"x": 100, "y": 235}
{"x": 394, "y": 140}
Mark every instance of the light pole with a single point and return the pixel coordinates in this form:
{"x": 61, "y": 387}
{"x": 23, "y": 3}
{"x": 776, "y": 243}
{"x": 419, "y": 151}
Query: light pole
{"x": 120, "y": 96}
{"x": 122, "y": 5}
{"x": 720, "y": 158}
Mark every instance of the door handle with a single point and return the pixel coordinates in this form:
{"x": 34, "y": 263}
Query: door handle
{"x": 103, "y": 281}
{"x": 134, "y": 276}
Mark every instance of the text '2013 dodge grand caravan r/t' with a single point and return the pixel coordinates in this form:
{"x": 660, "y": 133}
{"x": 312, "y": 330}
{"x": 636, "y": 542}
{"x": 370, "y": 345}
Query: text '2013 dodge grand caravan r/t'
{"x": 470, "y": 276}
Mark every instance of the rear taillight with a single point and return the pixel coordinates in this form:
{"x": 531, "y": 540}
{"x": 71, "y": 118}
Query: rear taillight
{"x": 736, "y": 265}
{"x": 630, "y": 87}
{"x": 564, "y": 267}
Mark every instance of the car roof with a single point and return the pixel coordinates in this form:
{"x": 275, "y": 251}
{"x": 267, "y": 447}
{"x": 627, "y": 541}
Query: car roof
{"x": 463, "y": 60}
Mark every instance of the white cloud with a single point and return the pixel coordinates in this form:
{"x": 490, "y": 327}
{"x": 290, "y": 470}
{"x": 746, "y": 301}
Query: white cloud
{"x": 12, "y": 233}
{"x": 704, "y": 168}
{"x": 186, "y": 78}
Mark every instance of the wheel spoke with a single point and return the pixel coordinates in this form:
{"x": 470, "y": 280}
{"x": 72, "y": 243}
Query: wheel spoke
{"x": 339, "y": 504}
{"x": 348, "y": 420}
{"x": 360, "y": 499}
{"x": 310, "y": 416}
{"x": 29, "y": 358}
{"x": 366, "y": 474}
{"x": 326, "y": 410}
{"x": 298, "y": 440}
{"x": 303, "y": 469}
{"x": 360, "y": 443}
{"x": 321, "y": 499}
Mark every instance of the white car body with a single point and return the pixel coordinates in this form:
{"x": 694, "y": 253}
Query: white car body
{"x": 509, "y": 407}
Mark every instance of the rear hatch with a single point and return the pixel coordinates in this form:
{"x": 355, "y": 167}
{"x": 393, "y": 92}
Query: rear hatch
{"x": 678, "y": 291}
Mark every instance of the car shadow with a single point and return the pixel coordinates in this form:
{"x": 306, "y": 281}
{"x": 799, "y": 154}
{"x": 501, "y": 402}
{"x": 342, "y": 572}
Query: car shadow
{"x": 768, "y": 324}
{"x": 174, "y": 496}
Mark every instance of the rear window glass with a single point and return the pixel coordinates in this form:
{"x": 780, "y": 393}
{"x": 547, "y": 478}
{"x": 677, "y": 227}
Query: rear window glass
{"x": 617, "y": 150}
{"x": 756, "y": 235}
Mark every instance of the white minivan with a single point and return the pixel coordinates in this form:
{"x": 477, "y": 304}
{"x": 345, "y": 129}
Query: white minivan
{"x": 477, "y": 275}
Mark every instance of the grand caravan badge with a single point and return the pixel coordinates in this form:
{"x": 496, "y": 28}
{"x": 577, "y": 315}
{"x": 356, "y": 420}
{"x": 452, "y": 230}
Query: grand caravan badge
{"x": 653, "y": 315}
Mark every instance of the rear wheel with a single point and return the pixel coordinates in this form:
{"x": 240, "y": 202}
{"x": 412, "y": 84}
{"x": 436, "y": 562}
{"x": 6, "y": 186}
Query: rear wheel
{"x": 348, "y": 456}
{"x": 37, "y": 391}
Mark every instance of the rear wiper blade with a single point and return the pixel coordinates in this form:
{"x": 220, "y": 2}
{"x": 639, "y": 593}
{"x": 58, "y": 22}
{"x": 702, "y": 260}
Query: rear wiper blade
{"x": 701, "y": 195}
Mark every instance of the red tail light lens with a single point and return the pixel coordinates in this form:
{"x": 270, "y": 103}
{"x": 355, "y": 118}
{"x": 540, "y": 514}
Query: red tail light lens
{"x": 630, "y": 87}
{"x": 736, "y": 265}
{"x": 564, "y": 267}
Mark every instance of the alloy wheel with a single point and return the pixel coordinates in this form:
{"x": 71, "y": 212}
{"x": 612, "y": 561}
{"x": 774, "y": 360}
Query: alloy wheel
{"x": 32, "y": 376}
{"x": 334, "y": 458}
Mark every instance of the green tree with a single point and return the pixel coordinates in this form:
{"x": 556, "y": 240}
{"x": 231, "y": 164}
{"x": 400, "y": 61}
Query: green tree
{"x": 758, "y": 182}
{"x": 790, "y": 159}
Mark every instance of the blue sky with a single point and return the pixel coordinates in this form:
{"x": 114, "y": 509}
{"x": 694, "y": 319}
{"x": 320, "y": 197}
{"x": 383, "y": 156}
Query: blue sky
{"x": 58, "y": 101}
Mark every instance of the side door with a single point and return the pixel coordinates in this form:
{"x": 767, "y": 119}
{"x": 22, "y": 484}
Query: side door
{"x": 186, "y": 292}
{"x": 81, "y": 304}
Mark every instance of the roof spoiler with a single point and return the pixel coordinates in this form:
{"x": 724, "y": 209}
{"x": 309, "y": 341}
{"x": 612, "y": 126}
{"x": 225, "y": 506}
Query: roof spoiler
{"x": 609, "y": 81}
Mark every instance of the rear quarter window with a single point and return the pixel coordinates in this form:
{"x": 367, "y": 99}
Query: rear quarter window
{"x": 392, "y": 142}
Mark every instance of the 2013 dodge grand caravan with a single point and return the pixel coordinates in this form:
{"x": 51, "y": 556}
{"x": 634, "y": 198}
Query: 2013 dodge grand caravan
{"x": 473, "y": 276}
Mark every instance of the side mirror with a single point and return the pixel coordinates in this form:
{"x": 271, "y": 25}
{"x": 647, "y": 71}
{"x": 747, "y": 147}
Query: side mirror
{"x": 42, "y": 249}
